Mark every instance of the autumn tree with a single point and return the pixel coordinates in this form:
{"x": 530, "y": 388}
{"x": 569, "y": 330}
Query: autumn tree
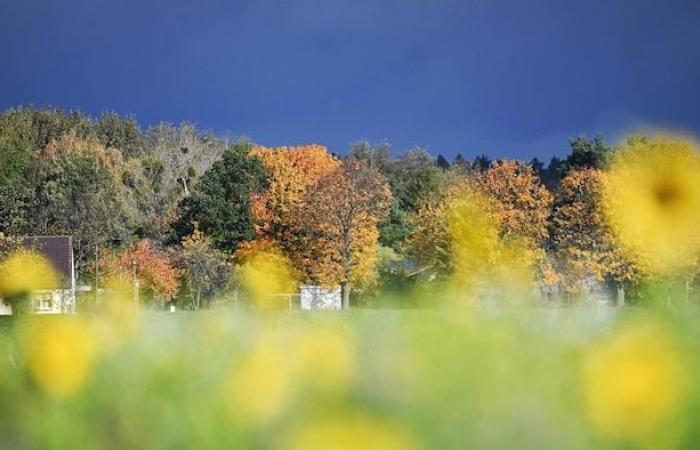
{"x": 582, "y": 240}
{"x": 522, "y": 207}
{"x": 523, "y": 203}
{"x": 578, "y": 230}
{"x": 430, "y": 242}
{"x": 517, "y": 203}
{"x": 152, "y": 267}
{"x": 338, "y": 226}
{"x": 292, "y": 171}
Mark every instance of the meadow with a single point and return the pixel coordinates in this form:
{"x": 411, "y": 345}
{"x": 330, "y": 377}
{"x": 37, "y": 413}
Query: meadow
{"x": 501, "y": 277}
{"x": 491, "y": 378}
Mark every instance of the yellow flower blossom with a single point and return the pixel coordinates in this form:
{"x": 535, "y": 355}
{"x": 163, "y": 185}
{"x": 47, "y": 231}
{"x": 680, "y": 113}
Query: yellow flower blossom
{"x": 60, "y": 353}
{"x": 484, "y": 261}
{"x": 348, "y": 431}
{"x": 264, "y": 274}
{"x": 652, "y": 201}
{"x": 119, "y": 319}
{"x": 635, "y": 382}
{"x": 325, "y": 357}
{"x": 24, "y": 272}
{"x": 260, "y": 387}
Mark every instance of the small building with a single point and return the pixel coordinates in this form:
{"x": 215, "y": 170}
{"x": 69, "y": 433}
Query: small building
{"x": 317, "y": 297}
{"x": 58, "y": 250}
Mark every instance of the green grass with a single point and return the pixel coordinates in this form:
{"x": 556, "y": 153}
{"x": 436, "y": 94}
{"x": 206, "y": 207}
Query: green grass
{"x": 443, "y": 379}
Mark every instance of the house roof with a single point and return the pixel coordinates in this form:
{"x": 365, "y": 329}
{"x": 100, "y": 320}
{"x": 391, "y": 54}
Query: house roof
{"x": 58, "y": 250}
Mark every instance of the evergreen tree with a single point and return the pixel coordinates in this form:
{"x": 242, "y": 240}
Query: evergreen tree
{"x": 220, "y": 201}
{"x": 442, "y": 162}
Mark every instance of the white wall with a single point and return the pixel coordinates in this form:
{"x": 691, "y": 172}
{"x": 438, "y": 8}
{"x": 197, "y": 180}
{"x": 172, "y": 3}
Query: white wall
{"x": 5, "y": 310}
{"x": 316, "y": 297}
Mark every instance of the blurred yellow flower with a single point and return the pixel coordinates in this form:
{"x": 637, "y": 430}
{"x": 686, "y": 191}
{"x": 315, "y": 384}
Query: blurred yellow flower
{"x": 635, "y": 382}
{"x": 483, "y": 261}
{"x": 325, "y": 357}
{"x": 119, "y": 319}
{"x": 266, "y": 273}
{"x": 348, "y": 431}
{"x": 652, "y": 201}
{"x": 60, "y": 353}
{"x": 260, "y": 387}
{"x": 24, "y": 272}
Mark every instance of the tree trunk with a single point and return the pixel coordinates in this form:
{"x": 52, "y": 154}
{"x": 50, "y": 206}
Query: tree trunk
{"x": 184, "y": 186}
{"x": 345, "y": 292}
{"x": 620, "y": 295}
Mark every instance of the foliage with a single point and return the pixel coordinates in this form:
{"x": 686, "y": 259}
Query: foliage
{"x": 413, "y": 178}
{"x": 292, "y": 172}
{"x": 205, "y": 271}
{"x": 220, "y": 203}
{"x": 338, "y": 226}
{"x": 8, "y": 244}
{"x": 173, "y": 159}
{"x": 522, "y": 203}
{"x": 80, "y": 193}
{"x": 123, "y": 134}
{"x": 153, "y": 268}
{"x": 17, "y": 196}
{"x": 587, "y": 154}
{"x": 581, "y": 238}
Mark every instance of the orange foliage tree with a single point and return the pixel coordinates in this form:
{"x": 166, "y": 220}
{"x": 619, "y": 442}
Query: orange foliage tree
{"x": 522, "y": 206}
{"x": 522, "y": 202}
{"x": 152, "y": 267}
{"x": 337, "y": 226}
{"x": 292, "y": 174}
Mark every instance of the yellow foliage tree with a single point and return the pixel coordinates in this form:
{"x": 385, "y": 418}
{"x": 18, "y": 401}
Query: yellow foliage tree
{"x": 581, "y": 239}
{"x": 460, "y": 235}
{"x": 292, "y": 172}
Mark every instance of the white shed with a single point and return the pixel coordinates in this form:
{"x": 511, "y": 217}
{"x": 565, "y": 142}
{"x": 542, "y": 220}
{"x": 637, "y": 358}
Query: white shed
{"x": 317, "y": 297}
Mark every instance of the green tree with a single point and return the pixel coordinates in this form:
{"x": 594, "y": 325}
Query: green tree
{"x": 220, "y": 203}
{"x": 123, "y": 134}
{"x": 481, "y": 163}
{"x": 80, "y": 193}
{"x": 442, "y": 163}
{"x": 204, "y": 270}
{"x": 587, "y": 154}
{"x": 17, "y": 185}
{"x": 37, "y": 127}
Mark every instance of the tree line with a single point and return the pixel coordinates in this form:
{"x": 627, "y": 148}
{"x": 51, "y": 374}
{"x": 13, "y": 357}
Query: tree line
{"x": 180, "y": 208}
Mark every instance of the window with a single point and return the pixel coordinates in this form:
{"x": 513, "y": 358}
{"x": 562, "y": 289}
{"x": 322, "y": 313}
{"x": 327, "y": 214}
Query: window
{"x": 43, "y": 302}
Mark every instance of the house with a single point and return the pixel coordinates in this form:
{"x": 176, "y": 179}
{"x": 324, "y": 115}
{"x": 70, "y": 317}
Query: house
{"x": 58, "y": 250}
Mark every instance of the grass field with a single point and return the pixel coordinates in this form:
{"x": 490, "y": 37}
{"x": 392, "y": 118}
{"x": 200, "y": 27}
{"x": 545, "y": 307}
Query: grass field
{"x": 365, "y": 379}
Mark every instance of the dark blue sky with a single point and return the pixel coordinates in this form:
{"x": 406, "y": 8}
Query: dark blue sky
{"x": 507, "y": 78}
